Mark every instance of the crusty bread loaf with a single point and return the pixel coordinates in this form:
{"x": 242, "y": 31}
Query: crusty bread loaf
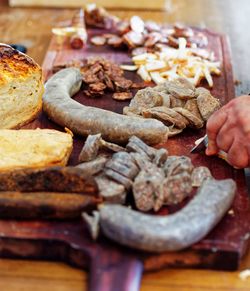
{"x": 21, "y": 88}
{"x": 32, "y": 148}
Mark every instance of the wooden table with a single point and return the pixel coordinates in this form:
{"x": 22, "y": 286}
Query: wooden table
{"x": 32, "y": 27}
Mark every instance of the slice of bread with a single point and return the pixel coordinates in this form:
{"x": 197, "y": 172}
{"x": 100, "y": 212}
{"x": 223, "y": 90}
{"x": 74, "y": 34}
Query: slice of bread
{"x": 21, "y": 88}
{"x": 32, "y": 148}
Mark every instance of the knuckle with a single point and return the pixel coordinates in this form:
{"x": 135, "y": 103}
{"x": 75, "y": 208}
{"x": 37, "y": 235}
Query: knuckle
{"x": 238, "y": 160}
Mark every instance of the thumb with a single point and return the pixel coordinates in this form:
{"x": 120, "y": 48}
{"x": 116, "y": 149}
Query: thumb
{"x": 212, "y": 148}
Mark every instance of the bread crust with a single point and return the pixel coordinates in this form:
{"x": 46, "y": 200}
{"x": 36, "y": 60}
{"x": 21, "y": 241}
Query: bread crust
{"x": 34, "y": 148}
{"x": 14, "y": 67}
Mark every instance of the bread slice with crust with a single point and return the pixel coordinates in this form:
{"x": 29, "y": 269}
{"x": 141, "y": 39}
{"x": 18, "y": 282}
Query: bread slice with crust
{"x": 33, "y": 148}
{"x": 21, "y": 88}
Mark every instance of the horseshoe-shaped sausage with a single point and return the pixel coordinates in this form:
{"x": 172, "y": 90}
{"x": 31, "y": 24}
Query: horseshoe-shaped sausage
{"x": 172, "y": 232}
{"x": 85, "y": 120}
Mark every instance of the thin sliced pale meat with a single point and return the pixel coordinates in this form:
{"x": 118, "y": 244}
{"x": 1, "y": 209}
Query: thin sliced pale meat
{"x": 166, "y": 115}
{"x": 194, "y": 121}
{"x": 146, "y": 98}
{"x": 207, "y": 104}
{"x": 176, "y": 102}
{"x": 173, "y": 131}
{"x": 98, "y": 40}
{"x": 181, "y": 89}
{"x": 191, "y": 105}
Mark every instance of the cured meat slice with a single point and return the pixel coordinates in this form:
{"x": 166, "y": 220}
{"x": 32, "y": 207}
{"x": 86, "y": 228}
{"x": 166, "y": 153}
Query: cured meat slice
{"x": 111, "y": 146}
{"x": 176, "y": 102}
{"x": 110, "y": 190}
{"x": 97, "y": 87}
{"x": 119, "y": 167}
{"x": 160, "y": 158}
{"x": 90, "y": 148}
{"x": 181, "y": 88}
{"x": 127, "y": 183}
{"x": 94, "y": 166}
{"x": 146, "y": 98}
{"x": 137, "y": 145}
{"x": 98, "y": 40}
{"x": 177, "y": 187}
{"x": 122, "y": 96}
{"x": 142, "y": 161}
{"x": 133, "y": 39}
{"x": 115, "y": 41}
{"x": 191, "y": 105}
{"x": 207, "y": 104}
{"x": 152, "y": 38}
{"x": 194, "y": 121}
{"x": 178, "y": 164}
{"x": 167, "y": 116}
{"x": 148, "y": 189}
{"x": 199, "y": 175}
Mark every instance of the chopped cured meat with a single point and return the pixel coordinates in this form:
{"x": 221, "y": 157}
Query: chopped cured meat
{"x": 122, "y": 96}
{"x": 148, "y": 189}
{"x": 98, "y": 40}
{"x": 177, "y": 188}
{"x": 101, "y": 76}
{"x": 115, "y": 41}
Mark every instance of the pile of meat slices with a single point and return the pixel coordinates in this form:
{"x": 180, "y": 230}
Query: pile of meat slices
{"x": 101, "y": 76}
{"x": 135, "y": 33}
{"x": 178, "y": 104}
{"x": 155, "y": 178}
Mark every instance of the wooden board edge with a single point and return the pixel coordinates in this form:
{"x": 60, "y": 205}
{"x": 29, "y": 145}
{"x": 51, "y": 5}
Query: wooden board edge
{"x": 63, "y": 251}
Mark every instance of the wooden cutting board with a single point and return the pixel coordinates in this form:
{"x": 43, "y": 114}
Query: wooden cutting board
{"x": 111, "y": 266}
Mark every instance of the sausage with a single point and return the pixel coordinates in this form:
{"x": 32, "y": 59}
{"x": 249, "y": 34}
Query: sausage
{"x": 85, "y": 120}
{"x": 55, "y": 179}
{"x": 90, "y": 148}
{"x": 173, "y": 232}
{"x": 45, "y": 205}
{"x": 93, "y": 167}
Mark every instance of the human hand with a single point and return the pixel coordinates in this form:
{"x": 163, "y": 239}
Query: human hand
{"x": 228, "y": 129}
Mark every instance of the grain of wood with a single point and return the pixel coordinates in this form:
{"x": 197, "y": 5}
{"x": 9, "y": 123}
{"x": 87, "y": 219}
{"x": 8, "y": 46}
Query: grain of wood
{"x": 28, "y": 26}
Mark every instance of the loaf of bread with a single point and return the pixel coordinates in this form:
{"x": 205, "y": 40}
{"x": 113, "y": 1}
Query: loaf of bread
{"x": 21, "y": 88}
{"x": 32, "y": 148}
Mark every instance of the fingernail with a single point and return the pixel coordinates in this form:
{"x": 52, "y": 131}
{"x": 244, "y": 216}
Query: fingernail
{"x": 210, "y": 151}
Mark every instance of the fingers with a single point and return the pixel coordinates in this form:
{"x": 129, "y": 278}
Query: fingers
{"x": 212, "y": 148}
{"x": 225, "y": 137}
{"x": 238, "y": 155}
{"x": 214, "y": 124}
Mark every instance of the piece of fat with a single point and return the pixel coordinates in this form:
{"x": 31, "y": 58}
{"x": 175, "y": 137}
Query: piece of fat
{"x": 129, "y": 67}
{"x": 155, "y": 66}
{"x": 157, "y": 78}
{"x": 143, "y": 73}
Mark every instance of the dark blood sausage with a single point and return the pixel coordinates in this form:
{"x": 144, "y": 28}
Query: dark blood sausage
{"x": 85, "y": 120}
{"x": 54, "y": 179}
{"x": 172, "y": 232}
{"x": 45, "y": 205}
